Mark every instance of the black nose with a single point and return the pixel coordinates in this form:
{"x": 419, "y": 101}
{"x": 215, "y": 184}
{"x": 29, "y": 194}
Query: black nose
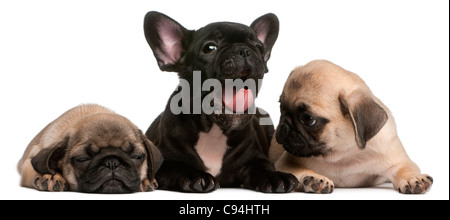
{"x": 244, "y": 52}
{"x": 112, "y": 163}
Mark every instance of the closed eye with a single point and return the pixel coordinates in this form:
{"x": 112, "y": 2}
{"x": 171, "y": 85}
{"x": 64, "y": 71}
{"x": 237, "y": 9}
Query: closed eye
{"x": 261, "y": 48}
{"x": 81, "y": 159}
{"x": 138, "y": 156}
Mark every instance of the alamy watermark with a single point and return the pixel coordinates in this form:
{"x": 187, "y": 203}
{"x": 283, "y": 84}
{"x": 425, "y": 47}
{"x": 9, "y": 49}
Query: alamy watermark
{"x": 235, "y": 97}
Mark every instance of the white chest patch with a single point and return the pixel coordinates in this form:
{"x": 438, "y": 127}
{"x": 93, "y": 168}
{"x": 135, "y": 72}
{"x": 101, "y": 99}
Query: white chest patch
{"x": 211, "y": 147}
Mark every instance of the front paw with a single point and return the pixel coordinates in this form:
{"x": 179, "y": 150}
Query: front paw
{"x": 276, "y": 182}
{"x": 415, "y": 185}
{"x": 200, "y": 182}
{"x": 148, "y": 186}
{"x": 317, "y": 184}
{"x": 52, "y": 183}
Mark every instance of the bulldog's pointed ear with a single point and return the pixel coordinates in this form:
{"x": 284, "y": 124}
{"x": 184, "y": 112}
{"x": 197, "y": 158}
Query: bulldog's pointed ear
{"x": 267, "y": 28}
{"x": 167, "y": 38}
{"x": 367, "y": 116}
{"x": 46, "y": 161}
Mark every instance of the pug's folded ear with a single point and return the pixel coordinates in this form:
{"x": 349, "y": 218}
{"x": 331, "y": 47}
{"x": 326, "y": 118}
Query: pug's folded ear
{"x": 366, "y": 115}
{"x": 167, "y": 38}
{"x": 46, "y": 161}
{"x": 154, "y": 156}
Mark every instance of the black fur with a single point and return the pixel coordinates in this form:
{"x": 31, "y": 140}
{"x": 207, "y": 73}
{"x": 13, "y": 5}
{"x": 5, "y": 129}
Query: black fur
{"x": 220, "y": 51}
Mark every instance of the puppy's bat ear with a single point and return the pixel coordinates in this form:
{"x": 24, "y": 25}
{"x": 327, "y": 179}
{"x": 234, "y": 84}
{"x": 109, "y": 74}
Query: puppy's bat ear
{"x": 367, "y": 116}
{"x": 154, "y": 156}
{"x": 267, "y": 28}
{"x": 167, "y": 38}
{"x": 46, "y": 161}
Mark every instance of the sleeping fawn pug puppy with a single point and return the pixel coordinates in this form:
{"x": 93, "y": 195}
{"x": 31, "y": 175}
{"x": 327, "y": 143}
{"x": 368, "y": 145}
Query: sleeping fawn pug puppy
{"x": 334, "y": 132}
{"x": 90, "y": 149}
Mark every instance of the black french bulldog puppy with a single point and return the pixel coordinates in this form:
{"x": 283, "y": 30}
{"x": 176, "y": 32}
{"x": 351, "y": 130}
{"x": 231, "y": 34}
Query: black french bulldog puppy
{"x": 226, "y": 146}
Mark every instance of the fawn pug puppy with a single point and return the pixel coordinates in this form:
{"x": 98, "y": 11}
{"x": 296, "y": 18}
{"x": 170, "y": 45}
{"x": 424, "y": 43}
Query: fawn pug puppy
{"x": 334, "y": 132}
{"x": 90, "y": 149}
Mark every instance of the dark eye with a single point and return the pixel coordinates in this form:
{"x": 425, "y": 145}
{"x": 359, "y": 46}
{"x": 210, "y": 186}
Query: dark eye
{"x": 308, "y": 120}
{"x": 81, "y": 159}
{"x": 209, "y": 48}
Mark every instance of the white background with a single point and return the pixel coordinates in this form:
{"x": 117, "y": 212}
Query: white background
{"x": 57, "y": 54}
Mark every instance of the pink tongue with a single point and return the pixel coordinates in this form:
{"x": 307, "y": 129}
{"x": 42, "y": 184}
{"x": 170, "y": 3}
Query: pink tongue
{"x": 240, "y": 102}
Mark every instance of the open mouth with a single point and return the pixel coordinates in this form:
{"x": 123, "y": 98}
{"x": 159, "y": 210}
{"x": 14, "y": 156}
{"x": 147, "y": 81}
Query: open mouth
{"x": 239, "y": 101}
